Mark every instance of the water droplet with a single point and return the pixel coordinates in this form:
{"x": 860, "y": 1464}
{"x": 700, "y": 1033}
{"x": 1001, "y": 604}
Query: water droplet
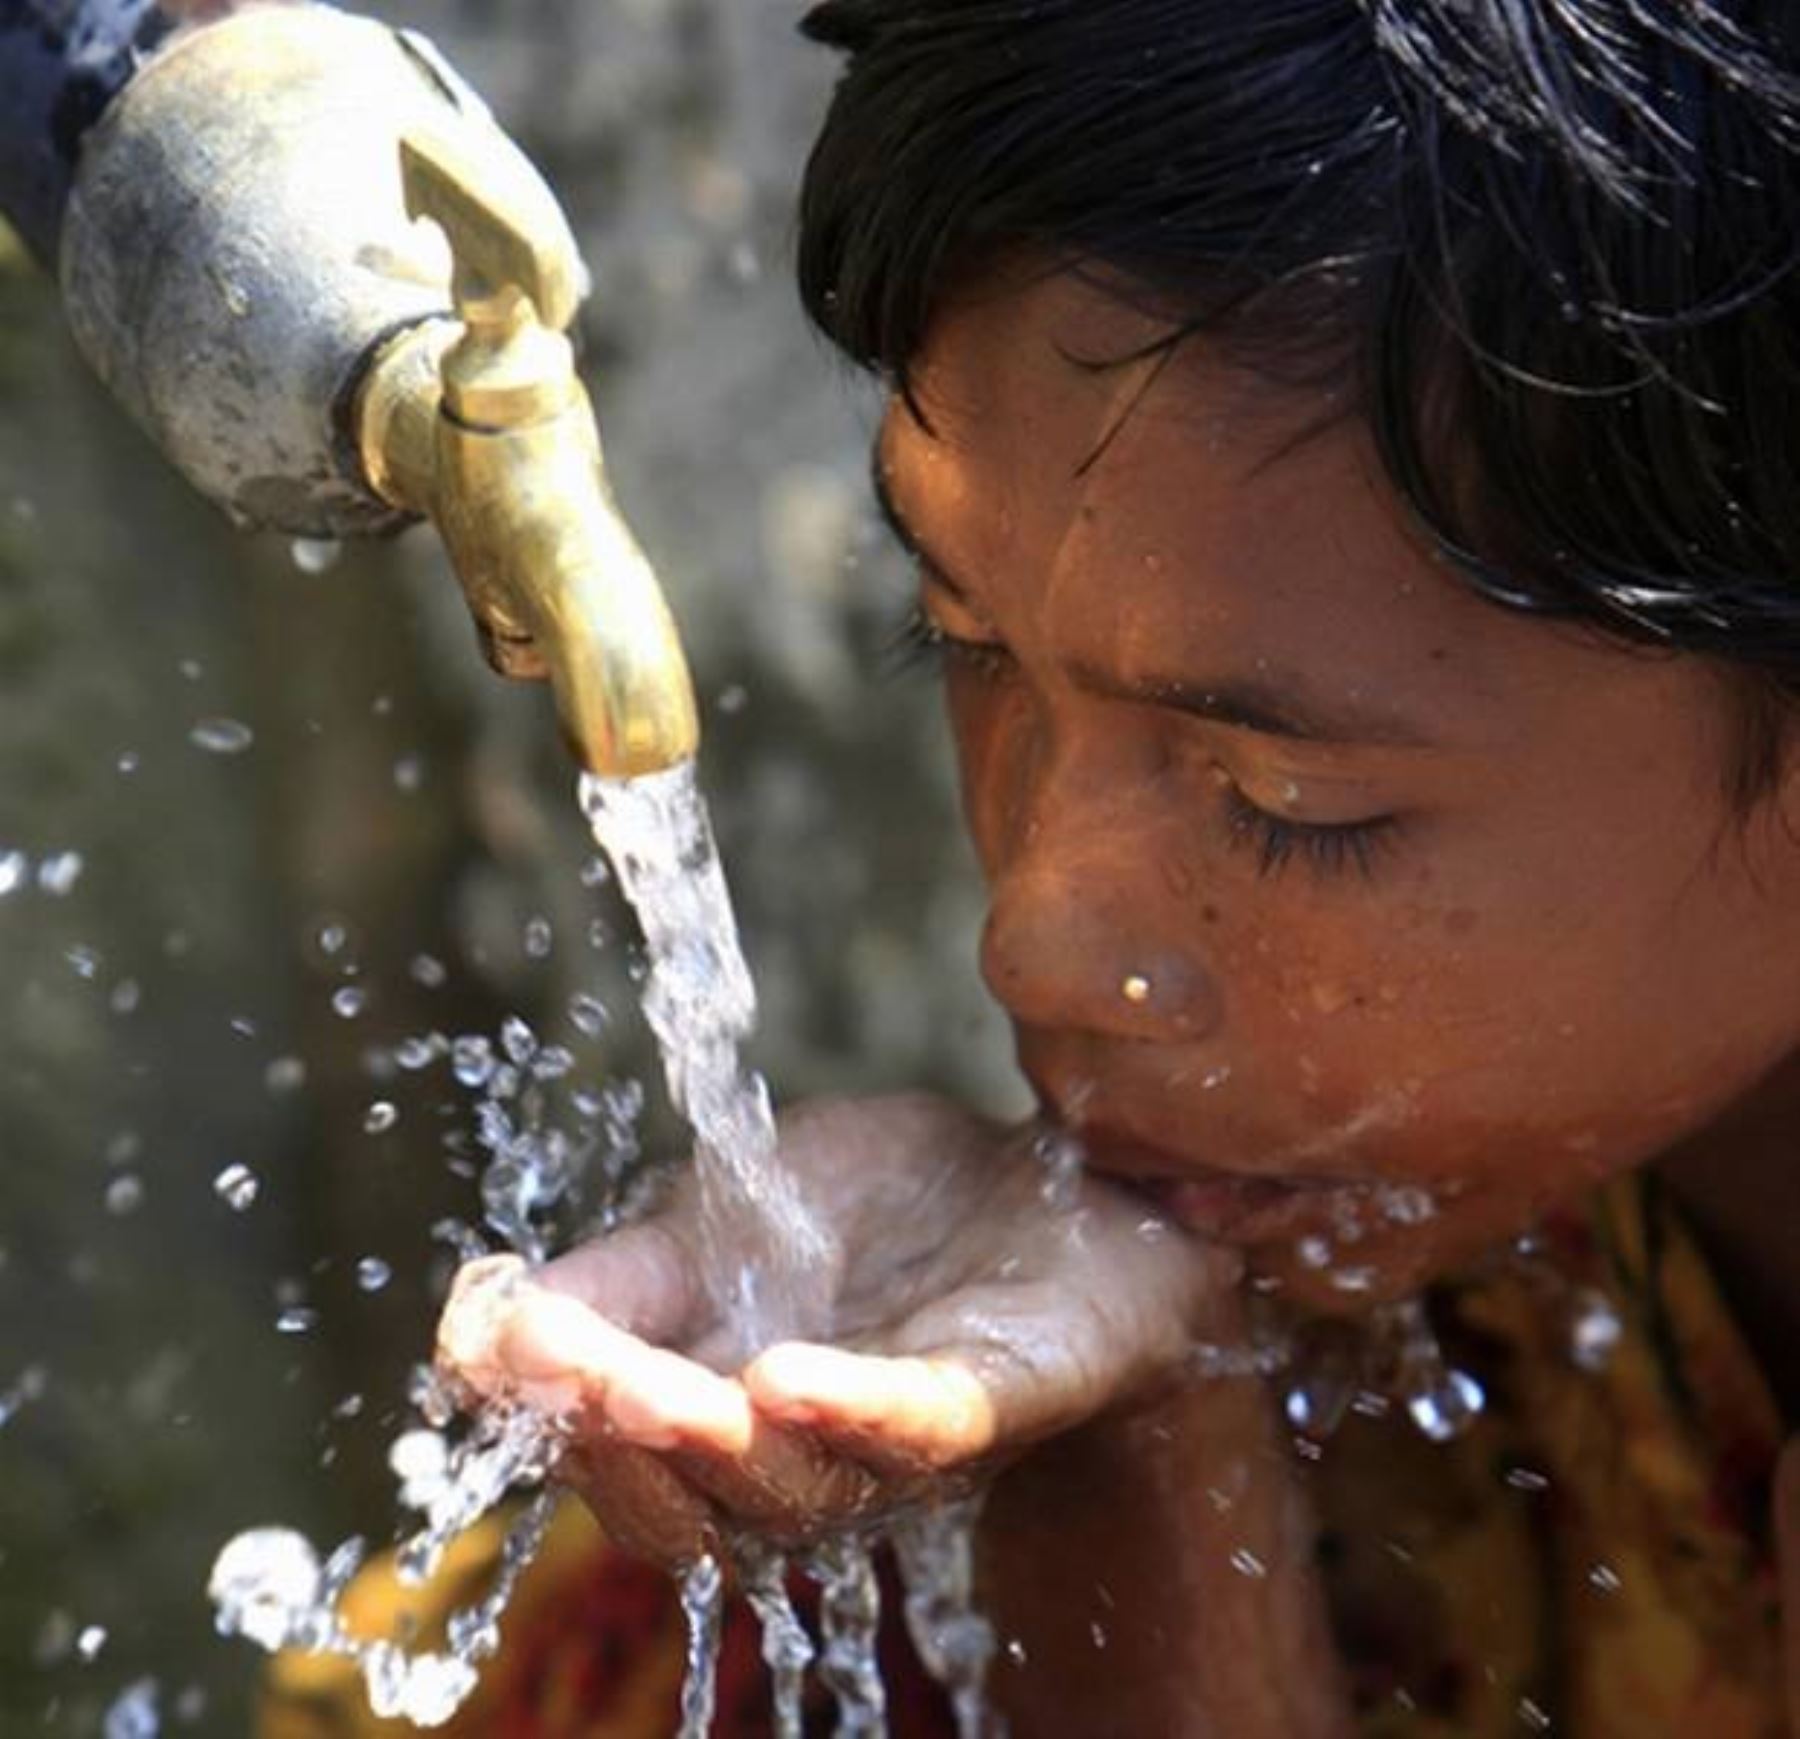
{"x": 1313, "y": 1252}
{"x": 14, "y": 868}
{"x": 429, "y": 971}
{"x": 539, "y": 939}
{"x": 58, "y": 873}
{"x": 262, "y": 1583}
{"x": 32, "y": 1383}
{"x": 418, "y": 1053}
{"x": 297, "y": 1319}
{"x": 89, "y": 1641}
{"x": 83, "y": 961}
{"x": 596, "y": 873}
{"x": 125, "y": 1195}
{"x": 1594, "y": 1331}
{"x": 1098, "y": 1632}
{"x": 1063, "y": 1158}
{"x": 222, "y": 736}
{"x": 420, "y": 1460}
{"x": 472, "y": 1060}
{"x": 1533, "y": 1715}
{"x": 332, "y": 939}
{"x": 589, "y": 1014}
{"x": 517, "y": 1039}
{"x": 128, "y": 762}
{"x": 1136, "y": 988}
{"x": 237, "y": 1186}
{"x": 409, "y": 773}
{"x": 133, "y": 1713}
{"x": 1015, "y": 1652}
{"x": 1246, "y": 1563}
{"x": 285, "y": 1075}
{"x": 1445, "y": 1407}
{"x": 373, "y": 1274}
{"x": 1605, "y": 1579}
{"x": 125, "y": 997}
{"x": 191, "y": 669}
{"x": 316, "y": 555}
{"x": 733, "y": 700}
{"x": 1526, "y": 1479}
{"x": 349, "y": 1000}
{"x": 380, "y": 1117}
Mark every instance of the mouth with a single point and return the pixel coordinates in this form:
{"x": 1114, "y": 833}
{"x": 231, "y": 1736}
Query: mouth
{"x": 1231, "y": 1207}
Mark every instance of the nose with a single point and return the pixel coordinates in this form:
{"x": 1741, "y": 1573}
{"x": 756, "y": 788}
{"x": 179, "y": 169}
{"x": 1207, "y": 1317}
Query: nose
{"x": 1086, "y": 936}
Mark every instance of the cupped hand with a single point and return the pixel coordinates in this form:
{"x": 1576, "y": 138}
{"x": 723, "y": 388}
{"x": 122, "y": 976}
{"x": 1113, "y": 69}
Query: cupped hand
{"x": 977, "y": 1305}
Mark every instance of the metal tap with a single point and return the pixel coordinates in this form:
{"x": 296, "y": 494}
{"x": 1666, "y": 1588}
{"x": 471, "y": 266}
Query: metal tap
{"x": 242, "y": 261}
{"x": 490, "y": 433}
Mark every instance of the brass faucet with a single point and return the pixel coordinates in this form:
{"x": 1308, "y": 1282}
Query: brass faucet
{"x": 485, "y": 428}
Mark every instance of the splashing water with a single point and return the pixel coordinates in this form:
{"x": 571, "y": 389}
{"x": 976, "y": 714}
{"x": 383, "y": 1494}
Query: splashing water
{"x": 766, "y": 1256}
{"x": 269, "y": 1585}
{"x": 771, "y": 1264}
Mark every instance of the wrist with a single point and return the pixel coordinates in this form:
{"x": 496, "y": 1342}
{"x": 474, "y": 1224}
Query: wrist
{"x": 1152, "y": 1571}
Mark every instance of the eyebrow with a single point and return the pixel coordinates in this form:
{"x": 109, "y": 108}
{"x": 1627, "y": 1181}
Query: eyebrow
{"x": 1271, "y": 708}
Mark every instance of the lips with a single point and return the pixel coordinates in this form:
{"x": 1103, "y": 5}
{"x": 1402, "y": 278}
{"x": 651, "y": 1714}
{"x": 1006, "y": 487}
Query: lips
{"x": 1234, "y": 1207}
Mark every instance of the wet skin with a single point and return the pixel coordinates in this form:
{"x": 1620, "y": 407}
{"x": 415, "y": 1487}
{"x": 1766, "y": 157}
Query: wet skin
{"x": 1309, "y": 866}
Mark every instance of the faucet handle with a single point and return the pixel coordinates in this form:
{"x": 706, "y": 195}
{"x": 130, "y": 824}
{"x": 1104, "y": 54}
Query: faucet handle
{"x": 515, "y": 259}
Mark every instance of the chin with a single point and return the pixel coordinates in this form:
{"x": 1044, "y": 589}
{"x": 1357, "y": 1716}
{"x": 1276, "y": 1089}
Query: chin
{"x": 1333, "y": 1277}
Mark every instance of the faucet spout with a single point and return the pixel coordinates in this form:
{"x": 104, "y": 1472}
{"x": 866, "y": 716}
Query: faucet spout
{"x": 485, "y": 428}
{"x": 563, "y": 590}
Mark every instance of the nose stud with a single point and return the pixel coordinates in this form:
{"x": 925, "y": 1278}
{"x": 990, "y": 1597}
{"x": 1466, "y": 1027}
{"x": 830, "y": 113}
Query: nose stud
{"x": 1136, "y": 989}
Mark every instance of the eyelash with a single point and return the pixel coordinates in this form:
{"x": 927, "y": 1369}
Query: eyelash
{"x": 1334, "y": 848}
{"x": 918, "y": 642}
{"x": 1329, "y": 849}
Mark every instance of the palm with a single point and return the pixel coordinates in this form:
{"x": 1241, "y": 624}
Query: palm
{"x": 979, "y": 1304}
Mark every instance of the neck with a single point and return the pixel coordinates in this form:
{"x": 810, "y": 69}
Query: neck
{"x": 1738, "y": 1183}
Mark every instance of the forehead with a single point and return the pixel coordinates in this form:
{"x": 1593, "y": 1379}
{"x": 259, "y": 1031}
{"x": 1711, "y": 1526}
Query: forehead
{"x": 1176, "y": 507}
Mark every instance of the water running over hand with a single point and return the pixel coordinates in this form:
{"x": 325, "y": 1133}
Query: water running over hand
{"x": 767, "y": 1259}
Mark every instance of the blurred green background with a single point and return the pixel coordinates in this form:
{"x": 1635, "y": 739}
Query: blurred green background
{"x": 175, "y": 922}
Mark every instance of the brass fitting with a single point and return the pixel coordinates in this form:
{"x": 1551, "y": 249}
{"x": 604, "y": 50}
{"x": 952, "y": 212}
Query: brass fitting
{"x": 486, "y": 429}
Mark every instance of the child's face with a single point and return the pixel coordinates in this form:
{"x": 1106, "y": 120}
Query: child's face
{"x": 1358, "y": 917}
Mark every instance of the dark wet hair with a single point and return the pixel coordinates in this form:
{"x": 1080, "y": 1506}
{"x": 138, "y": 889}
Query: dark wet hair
{"x": 1553, "y": 245}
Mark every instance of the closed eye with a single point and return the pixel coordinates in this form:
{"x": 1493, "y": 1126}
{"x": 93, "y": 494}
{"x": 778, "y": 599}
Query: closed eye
{"x": 1330, "y": 848}
{"x": 918, "y": 642}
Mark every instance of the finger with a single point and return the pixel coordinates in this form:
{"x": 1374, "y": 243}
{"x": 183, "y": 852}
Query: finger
{"x": 481, "y": 1295}
{"x": 559, "y": 1355}
{"x": 640, "y": 1502}
{"x": 795, "y": 1484}
{"x": 897, "y": 1415}
{"x": 642, "y": 1280}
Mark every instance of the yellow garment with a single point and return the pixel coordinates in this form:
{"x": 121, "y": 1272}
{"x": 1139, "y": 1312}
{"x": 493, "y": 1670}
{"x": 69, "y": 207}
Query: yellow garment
{"x": 1592, "y": 1558}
